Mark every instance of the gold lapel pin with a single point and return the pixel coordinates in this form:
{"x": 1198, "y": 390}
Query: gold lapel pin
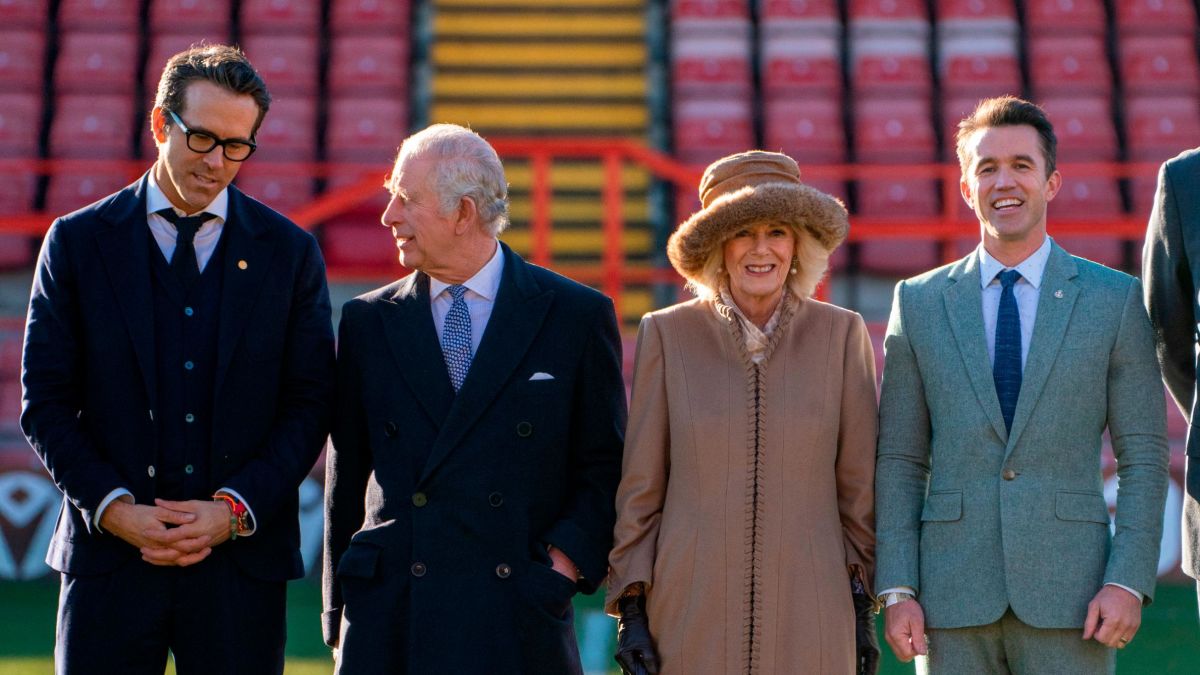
{"x": 1058, "y": 294}
{"x": 242, "y": 264}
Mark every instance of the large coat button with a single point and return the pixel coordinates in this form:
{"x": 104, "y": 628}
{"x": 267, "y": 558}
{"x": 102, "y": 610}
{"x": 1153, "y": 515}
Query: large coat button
{"x": 390, "y": 429}
{"x": 503, "y": 570}
{"x": 524, "y": 429}
{"x": 1008, "y": 474}
{"x": 419, "y": 499}
{"x": 150, "y": 471}
{"x": 417, "y": 569}
{"x": 496, "y": 499}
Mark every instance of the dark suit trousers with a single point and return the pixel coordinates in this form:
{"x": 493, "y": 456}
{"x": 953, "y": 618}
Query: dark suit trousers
{"x": 211, "y": 616}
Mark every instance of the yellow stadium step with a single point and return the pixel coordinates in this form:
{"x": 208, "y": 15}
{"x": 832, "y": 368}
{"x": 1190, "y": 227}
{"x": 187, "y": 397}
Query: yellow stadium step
{"x": 579, "y": 209}
{"x": 494, "y": 55}
{"x": 475, "y": 85}
{"x": 488, "y": 24}
{"x": 578, "y": 242}
{"x": 575, "y": 176}
{"x": 548, "y": 117}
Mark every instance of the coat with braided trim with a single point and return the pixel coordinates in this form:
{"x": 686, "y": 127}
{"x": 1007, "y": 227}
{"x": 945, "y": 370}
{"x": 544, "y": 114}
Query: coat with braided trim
{"x": 747, "y": 490}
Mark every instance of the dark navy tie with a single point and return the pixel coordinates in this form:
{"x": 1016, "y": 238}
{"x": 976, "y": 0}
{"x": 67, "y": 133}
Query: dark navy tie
{"x": 183, "y": 261}
{"x": 456, "y": 337}
{"x": 1006, "y": 371}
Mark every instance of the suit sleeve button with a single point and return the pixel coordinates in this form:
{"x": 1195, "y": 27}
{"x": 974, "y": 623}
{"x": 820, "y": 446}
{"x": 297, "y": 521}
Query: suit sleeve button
{"x": 503, "y": 570}
{"x": 150, "y": 471}
{"x": 1008, "y": 474}
{"x": 419, "y": 499}
{"x": 390, "y": 429}
{"x": 417, "y": 569}
{"x": 524, "y": 429}
{"x": 496, "y": 499}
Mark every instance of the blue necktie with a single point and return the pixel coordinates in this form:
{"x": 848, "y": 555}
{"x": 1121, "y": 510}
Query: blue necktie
{"x": 456, "y": 337}
{"x": 1006, "y": 371}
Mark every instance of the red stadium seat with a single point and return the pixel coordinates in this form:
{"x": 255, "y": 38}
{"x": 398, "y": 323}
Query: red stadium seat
{"x": 898, "y": 257}
{"x": 365, "y": 66}
{"x": 1084, "y": 127}
{"x": 91, "y": 126}
{"x": 20, "y": 125}
{"x": 1084, "y": 198}
{"x": 980, "y": 66}
{"x": 287, "y": 63}
{"x": 358, "y": 242}
{"x": 898, "y": 197}
{"x": 1157, "y": 128}
{"x": 365, "y": 130}
{"x": 288, "y": 17}
{"x": 100, "y": 16}
{"x": 370, "y": 209}
{"x": 29, "y": 14}
{"x": 163, "y": 47}
{"x": 1141, "y": 192}
{"x": 10, "y": 404}
{"x": 70, "y": 191}
{"x": 1159, "y": 65}
{"x": 288, "y": 133}
{"x": 1065, "y": 17}
{"x": 281, "y": 190}
{"x": 711, "y": 65}
{"x": 1155, "y": 17}
{"x": 22, "y": 57}
{"x": 801, "y": 68}
{"x": 94, "y": 62}
{"x": 16, "y": 192}
{"x": 894, "y": 131}
{"x": 888, "y": 17}
{"x": 1075, "y": 65}
{"x": 366, "y": 17}
{"x": 800, "y": 17}
{"x": 809, "y": 130}
{"x": 976, "y": 18}
{"x": 886, "y": 66}
{"x": 1108, "y": 251}
{"x": 708, "y": 129}
{"x": 710, "y": 17}
{"x": 189, "y": 16}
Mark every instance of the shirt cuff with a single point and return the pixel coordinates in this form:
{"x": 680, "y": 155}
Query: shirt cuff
{"x": 896, "y": 589}
{"x": 251, "y": 523}
{"x": 1136, "y": 594}
{"x": 115, "y": 494}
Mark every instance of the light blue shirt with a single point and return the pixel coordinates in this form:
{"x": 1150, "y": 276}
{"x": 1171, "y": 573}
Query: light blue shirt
{"x": 480, "y": 298}
{"x": 1025, "y": 290}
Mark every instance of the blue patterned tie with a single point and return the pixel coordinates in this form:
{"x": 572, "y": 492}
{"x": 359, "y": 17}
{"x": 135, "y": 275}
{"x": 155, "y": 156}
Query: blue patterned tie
{"x": 1006, "y": 371}
{"x": 456, "y": 337}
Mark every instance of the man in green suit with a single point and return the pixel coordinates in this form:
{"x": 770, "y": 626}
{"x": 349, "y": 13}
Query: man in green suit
{"x": 1002, "y": 372}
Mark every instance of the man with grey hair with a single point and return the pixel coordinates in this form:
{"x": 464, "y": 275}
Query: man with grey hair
{"x": 477, "y": 438}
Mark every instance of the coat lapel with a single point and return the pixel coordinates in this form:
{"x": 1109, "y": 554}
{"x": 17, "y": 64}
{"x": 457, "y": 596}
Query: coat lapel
{"x": 124, "y": 249}
{"x": 516, "y": 317}
{"x": 408, "y": 327}
{"x": 248, "y": 253}
{"x": 964, "y": 309}
{"x": 1053, "y": 315}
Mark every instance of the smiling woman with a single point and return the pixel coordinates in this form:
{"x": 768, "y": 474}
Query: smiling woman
{"x": 752, "y": 521}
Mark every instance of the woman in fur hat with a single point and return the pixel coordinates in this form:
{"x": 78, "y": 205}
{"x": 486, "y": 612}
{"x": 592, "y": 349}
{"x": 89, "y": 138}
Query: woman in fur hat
{"x": 745, "y": 512}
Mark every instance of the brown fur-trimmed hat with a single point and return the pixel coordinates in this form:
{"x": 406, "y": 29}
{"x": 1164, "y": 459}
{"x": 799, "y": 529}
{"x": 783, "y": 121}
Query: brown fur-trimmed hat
{"x": 748, "y": 188}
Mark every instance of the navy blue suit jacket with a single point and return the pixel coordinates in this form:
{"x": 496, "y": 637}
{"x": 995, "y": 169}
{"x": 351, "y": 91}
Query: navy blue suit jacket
{"x": 439, "y": 507}
{"x": 89, "y": 375}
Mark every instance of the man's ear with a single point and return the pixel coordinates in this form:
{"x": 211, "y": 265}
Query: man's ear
{"x": 466, "y": 216}
{"x": 158, "y": 125}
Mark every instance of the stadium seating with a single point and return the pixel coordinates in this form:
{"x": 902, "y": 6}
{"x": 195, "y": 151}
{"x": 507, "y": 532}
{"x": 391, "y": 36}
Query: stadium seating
{"x": 1155, "y": 17}
{"x": 22, "y": 58}
{"x": 288, "y": 133}
{"x": 92, "y": 126}
{"x": 190, "y": 16}
{"x": 287, "y": 63}
{"x": 884, "y": 66}
{"x": 369, "y": 66}
{"x": 165, "y": 45}
{"x": 101, "y": 63}
{"x": 979, "y": 66}
{"x": 708, "y": 129}
{"x": 810, "y": 130}
{"x": 711, "y": 65}
{"x": 1065, "y": 17}
{"x": 369, "y": 17}
{"x": 20, "y": 125}
{"x": 365, "y": 130}
{"x": 71, "y": 190}
{"x": 796, "y": 18}
{"x": 801, "y": 68}
{"x": 281, "y": 190}
{"x": 23, "y": 14}
{"x": 1159, "y": 65}
{"x": 888, "y": 18}
{"x": 1084, "y": 128}
{"x": 898, "y": 131}
{"x": 710, "y": 17}
{"x": 976, "y": 18}
{"x": 1069, "y": 65}
{"x": 1157, "y": 128}
{"x": 100, "y": 16}
{"x": 281, "y": 17}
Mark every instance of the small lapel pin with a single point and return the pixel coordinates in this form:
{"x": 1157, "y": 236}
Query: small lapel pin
{"x": 242, "y": 264}
{"x": 1058, "y": 294}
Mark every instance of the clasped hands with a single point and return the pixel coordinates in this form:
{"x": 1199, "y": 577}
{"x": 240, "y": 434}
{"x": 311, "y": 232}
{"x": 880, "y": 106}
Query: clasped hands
{"x": 170, "y": 533}
{"x": 1113, "y": 618}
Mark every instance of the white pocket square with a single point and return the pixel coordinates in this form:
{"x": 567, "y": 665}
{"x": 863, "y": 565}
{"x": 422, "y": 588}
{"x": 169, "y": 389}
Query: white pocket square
{"x": 540, "y": 376}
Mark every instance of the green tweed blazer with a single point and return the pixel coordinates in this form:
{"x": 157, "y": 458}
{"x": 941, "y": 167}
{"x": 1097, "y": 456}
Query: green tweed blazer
{"x": 979, "y": 520}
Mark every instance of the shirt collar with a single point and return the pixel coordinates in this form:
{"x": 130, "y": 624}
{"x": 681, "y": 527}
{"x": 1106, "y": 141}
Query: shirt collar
{"x": 157, "y": 201}
{"x": 1031, "y": 268}
{"x": 485, "y": 283}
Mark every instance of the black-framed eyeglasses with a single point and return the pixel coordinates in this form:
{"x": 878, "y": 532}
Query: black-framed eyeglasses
{"x": 234, "y": 149}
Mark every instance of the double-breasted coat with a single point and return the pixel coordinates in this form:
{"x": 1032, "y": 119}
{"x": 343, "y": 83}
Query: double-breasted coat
{"x": 746, "y": 490}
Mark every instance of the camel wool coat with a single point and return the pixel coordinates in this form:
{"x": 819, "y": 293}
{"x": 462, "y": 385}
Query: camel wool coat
{"x": 747, "y": 491}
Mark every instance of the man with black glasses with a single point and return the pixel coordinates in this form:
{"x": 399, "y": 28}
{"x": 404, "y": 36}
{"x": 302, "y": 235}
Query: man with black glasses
{"x": 177, "y": 375}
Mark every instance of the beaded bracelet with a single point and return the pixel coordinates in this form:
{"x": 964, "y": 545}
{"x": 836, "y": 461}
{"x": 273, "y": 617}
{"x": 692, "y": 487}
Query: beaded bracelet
{"x": 237, "y": 514}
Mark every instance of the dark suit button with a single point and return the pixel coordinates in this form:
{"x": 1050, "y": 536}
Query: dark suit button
{"x": 503, "y": 571}
{"x": 188, "y": 365}
{"x": 419, "y": 499}
{"x": 524, "y": 429}
{"x": 188, "y": 311}
{"x": 390, "y": 429}
{"x": 189, "y": 469}
{"x": 495, "y": 499}
{"x": 1008, "y": 474}
{"x": 417, "y": 569}
{"x": 150, "y": 471}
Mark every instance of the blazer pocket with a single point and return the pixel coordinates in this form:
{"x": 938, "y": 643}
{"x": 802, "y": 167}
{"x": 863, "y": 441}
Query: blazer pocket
{"x": 359, "y": 562}
{"x": 942, "y": 506}
{"x": 1084, "y": 506}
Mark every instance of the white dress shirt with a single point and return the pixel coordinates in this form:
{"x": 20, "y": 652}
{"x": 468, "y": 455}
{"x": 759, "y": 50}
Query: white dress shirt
{"x": 1025, "y": 291}
{"x": 207, "y": 238}
{"x": 480, "y": 298}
